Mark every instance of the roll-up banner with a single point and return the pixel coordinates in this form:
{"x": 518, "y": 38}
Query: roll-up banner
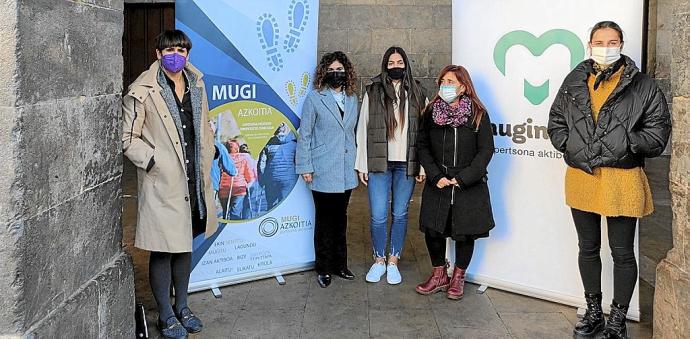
{"x": 518, "y": 53}
{"x": 258, "y": 59}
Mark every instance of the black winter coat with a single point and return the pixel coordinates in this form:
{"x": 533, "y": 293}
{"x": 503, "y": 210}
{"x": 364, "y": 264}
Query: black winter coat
{"x": 462, "y": 153}
{"x": 633, "y": 124}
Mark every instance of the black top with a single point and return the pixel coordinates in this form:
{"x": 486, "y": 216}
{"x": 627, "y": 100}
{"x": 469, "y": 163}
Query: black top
{"x": 187, "y": 118}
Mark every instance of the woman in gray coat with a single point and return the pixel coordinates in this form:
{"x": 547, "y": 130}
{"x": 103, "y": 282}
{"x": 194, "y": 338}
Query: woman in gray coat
{"x": 325, "y": 158}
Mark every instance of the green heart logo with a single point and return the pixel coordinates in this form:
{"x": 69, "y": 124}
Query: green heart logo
{"x": 537, "y": 94}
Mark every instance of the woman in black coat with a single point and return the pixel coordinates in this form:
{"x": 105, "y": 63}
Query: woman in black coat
{"x": 606, "y": 119}
{"x": 455, "y": 144}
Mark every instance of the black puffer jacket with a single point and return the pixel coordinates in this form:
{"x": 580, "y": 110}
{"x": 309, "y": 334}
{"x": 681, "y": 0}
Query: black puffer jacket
{"x": 633, "y": 124}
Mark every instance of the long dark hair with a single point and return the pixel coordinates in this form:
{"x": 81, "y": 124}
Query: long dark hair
{"x": 606, "y": 24}
{"x": 409, "y": 87}
{"x": 326, "y": 60}
{"x": 464, "y": 78}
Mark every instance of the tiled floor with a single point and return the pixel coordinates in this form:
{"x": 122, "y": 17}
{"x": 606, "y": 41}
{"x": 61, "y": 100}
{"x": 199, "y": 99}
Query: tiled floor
{"x": 356, "y": 309}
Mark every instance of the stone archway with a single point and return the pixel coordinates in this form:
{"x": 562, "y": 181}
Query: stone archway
{"x": 672, "y": 295}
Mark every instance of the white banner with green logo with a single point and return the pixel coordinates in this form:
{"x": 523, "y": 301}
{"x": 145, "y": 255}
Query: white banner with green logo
{"x": 518, "y": 53}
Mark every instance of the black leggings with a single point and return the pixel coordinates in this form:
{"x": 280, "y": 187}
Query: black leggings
{"x": 437, "y": 251}
{"x": 621, "y": 232}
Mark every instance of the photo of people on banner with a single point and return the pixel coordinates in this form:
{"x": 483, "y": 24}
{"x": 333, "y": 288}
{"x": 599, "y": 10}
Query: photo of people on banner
{"x": 248, "y": 183}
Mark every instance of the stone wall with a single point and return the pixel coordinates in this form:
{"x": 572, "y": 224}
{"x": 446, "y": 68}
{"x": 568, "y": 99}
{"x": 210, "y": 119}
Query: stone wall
{"x": 364, "y": 29}
{"x": 63, "y": 272}
{"x": 659, "y": 34}
{"x": 659, "y": 42}
{"x": 672, "y": 294}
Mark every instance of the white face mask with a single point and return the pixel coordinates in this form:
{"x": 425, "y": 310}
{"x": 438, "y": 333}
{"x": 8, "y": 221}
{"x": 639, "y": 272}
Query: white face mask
{"x": 606, "y": 55}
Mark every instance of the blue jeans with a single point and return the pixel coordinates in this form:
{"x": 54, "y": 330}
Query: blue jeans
{"x": 381, "y": 184}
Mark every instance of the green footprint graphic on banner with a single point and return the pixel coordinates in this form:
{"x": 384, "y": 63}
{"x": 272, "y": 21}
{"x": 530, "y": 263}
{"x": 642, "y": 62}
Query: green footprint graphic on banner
{"x": 536, "y": 94}
{"x": 292, "y": 91}
{"x": 268, "y": 32}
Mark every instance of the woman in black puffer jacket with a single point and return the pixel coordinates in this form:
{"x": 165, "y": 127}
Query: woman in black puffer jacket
{"x": 606, "y": 119}
{"x": 455, "y": 144}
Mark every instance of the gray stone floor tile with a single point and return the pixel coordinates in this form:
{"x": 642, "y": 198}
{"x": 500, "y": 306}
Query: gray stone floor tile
{"x": 538, "y": 325}
{"x": 219, "y": 314}
{"x": 384, "y": 296}
{"x": 402, "y": 323}
{"x": 473, "y": 310}
{"x": 268, "y": 323}
{"x": 473, "y": 333}
{"x": 514, "y": 303}
{"x": 459, "y": 314}
{"x": 340, "y": 293}
{"x": 267, "y": 294}
{"x": 345, "y": 321}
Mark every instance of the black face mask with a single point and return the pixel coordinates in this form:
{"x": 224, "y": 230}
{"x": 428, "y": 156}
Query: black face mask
{"x": 335, "y": 79}
{"x": 396, "y": 73}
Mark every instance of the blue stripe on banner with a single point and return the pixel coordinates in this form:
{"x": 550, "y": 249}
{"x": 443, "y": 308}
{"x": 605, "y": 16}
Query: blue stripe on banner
{"x": 196, "y": 23}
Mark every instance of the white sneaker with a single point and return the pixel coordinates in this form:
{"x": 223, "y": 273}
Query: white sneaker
{"x": 375, "y": 273}
{"x": 393, "y": 274}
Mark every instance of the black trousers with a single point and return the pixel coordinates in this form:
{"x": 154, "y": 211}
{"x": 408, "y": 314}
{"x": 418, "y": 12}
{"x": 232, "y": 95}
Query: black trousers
{"x": 330, "y": 242}
{"x": 437, "y": 251}
{"x": 436, "y": 244}
{"x": 621, "y": 232}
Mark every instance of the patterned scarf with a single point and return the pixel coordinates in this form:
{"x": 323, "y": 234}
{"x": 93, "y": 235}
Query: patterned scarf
{"x": 445, "y": 114}
{"x": 603, "y": 72}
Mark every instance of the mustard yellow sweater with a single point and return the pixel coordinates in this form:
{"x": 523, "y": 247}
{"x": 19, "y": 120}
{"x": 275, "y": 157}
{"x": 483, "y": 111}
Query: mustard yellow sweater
{"x": 609, "y": 191}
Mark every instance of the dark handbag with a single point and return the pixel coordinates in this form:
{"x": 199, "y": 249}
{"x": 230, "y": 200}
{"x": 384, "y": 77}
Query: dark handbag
{"x": 142, "y": 328}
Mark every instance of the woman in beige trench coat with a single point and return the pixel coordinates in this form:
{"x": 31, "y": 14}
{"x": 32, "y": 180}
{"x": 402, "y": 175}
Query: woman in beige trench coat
{"x": 167, "y": 136}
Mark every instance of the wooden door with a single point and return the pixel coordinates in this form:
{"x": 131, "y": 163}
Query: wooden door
{"x": 143, "y": 23}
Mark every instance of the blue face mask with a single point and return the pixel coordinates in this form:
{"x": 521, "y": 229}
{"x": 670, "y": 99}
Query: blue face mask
{"x": 448, "y": 93}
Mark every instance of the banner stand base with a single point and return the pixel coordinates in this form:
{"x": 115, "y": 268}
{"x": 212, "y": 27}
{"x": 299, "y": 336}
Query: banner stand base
{"x": 281, "y": 280}
{"x": 216, "y": 292}
{"x": 482, "y": 289}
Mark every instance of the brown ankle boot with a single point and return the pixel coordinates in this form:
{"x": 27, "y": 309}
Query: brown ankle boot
{"x": 457, "y": 284}
{"x": 438, "y": 281}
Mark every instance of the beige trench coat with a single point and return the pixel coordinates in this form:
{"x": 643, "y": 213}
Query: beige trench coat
{"x": 164, "y": 221}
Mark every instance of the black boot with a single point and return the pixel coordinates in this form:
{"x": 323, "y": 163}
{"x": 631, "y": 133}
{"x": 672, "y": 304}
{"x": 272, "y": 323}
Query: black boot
{"x": 593, "y": 320}
{"x": 615, "y": 327}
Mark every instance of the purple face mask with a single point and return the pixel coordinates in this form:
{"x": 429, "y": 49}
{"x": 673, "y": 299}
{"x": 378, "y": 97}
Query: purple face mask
{"x": 174, "y": 62}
